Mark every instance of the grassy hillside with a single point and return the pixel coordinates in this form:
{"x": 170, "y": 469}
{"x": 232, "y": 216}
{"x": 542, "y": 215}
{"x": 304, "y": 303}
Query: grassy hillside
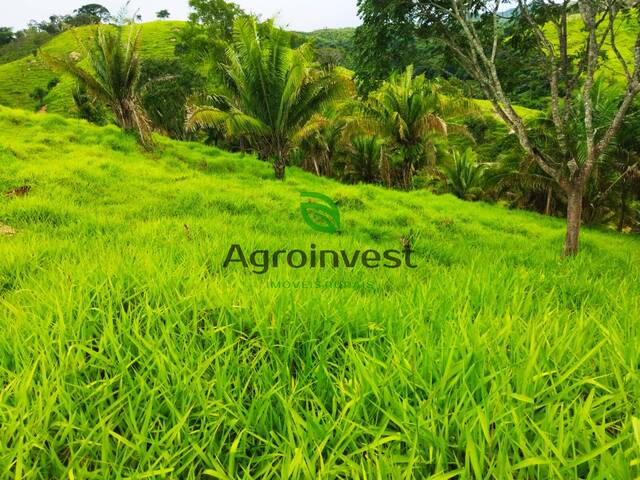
{"x": 485, "y": 106}
{"x": 158, "y": 41}
{"x": 626, "y": 32}
{"x": 23, "y": 46}
{"x": 20, "y": 78}
{"x": 129, "y": 351}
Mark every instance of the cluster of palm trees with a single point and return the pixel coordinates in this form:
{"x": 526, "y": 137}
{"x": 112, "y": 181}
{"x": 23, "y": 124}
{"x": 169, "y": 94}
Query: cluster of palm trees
{"x": 272, "y": 96}
{"x": 413, "y": 116}
{"x": 277, "y": 102}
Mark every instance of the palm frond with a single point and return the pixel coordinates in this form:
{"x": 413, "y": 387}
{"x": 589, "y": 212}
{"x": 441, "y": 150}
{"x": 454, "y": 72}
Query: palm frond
{"x": 234, "y": 122}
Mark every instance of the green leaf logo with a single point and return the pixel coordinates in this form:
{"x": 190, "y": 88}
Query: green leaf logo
{"x": 323, "y": 215}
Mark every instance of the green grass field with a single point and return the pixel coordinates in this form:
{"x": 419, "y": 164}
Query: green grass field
{"x": 128, "y": 351}
{"x": 20, "y": 78}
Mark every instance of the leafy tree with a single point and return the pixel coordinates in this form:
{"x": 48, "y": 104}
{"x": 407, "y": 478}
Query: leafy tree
{"x": 391, "y": 38}
{"x": 90, "y": 14}
{"x": 204, "y": 40}
{"x": 331, "y": 57}
{"x": 55, "y": 25}
{"x": 218, "y": 16}
{"x": 472, "y": 30}
{"x": 272, "y": 94}
{"x": 114, "y": 79}
{"x": 163, "y": 14}
{"x": 6, "y": 35}
{"x": 167, "y": 85}
{"x": 386, "y": 41}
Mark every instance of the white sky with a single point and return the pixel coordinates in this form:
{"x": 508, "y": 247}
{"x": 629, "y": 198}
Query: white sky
{"x": 301, "y": 15}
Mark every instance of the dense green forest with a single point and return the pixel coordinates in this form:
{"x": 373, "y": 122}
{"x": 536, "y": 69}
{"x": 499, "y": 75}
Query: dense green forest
{"x": 493, "y": 143}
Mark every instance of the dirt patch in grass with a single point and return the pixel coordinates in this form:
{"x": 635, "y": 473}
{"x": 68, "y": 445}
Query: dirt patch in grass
{"x": 6, "y": 230}
{"x": 19, "y": 192}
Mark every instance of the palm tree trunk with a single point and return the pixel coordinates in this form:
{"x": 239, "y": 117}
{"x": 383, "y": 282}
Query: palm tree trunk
{"x": 407, "y": 175}
{"x": 279, "y": 167}
{"x": 385, "y": 171}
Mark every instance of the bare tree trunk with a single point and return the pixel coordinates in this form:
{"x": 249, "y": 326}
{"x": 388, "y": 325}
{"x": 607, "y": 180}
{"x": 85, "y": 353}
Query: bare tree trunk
{"x": 407, "y": 175}
{"x": 623, "y": 208}
{"x": 547, "y": 210}
{"x": 574, "y": 220}
{"x": 385, "y": 171}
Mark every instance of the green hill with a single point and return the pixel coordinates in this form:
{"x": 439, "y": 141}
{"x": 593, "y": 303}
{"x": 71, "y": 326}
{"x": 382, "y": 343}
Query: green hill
{"x": 333, "y": 45}
{"x": 335, "y": 38}
{"x": 18, "y": 79}
{"x": 626, "y": 30}
{"x": 128, "y": 350}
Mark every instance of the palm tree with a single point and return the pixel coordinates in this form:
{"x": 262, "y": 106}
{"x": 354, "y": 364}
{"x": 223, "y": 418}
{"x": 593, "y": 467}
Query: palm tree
{"x": 517, "y": 176}
{"x": 410, "y": 112}
{"x": 114, "y": 77}
{"x": 272, "y": 94}
{"x": 365, "y": 159}
{"x": 618, "y": 175}
{"x": 319, "y": 151}
{"x": 465, "y": 177}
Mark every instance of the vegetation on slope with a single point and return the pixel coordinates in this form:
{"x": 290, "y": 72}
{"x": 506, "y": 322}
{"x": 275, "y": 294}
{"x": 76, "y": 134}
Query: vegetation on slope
{"x": 20, "y": 78}
{"x": 113, "y": 78}
{"x": 585, "y": 114}
{"x": 609, "y": 197}
{"x": 272, "y": 95}
{"x": 128, "y": 350}
{"x": 626, "y": 31}
{"x": 23, "y": 46}
{"x": 332, "y": 45}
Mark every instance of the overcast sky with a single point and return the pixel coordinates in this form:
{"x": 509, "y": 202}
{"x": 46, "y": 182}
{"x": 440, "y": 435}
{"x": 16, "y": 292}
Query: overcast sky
{"x": 303, "y": 15}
